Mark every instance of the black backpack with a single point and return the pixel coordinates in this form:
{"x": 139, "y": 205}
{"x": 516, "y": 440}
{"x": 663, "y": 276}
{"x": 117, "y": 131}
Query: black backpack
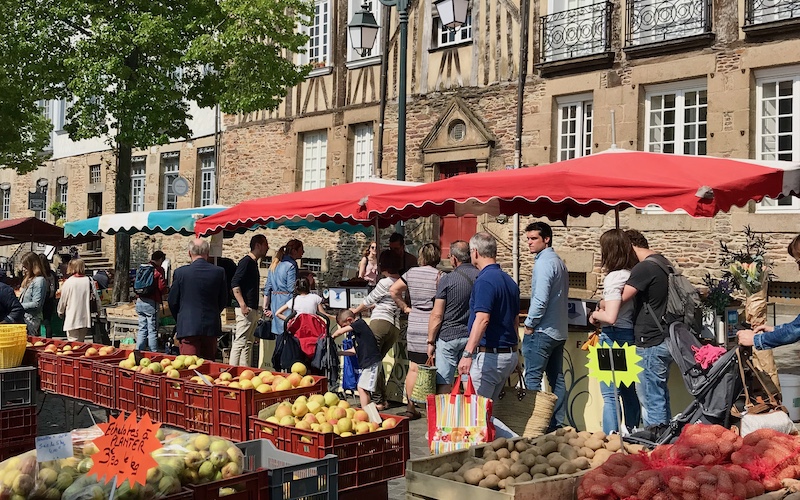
{"x": 145, "y": 282}
{"x": 683, "y": 300}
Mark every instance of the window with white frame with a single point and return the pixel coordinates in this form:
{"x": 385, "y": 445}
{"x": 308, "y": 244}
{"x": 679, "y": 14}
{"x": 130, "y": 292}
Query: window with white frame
{"x": 318, "y": 30}
{"x": 777, "y": 125}
{"x": 94, "y": 174}
{"x": 574, "y": 127}
{"x": 315, "y": 152}
{"x": 60, "y": 115}
{"x": 208, "y": 176}
{"x": 676, "y": 122}
{"x": 676, "y": 119}
{"x": 41, "y": 188}
{"x": 170, "y": 165}
{"x": 46, "y": 109}
{"x": 445, "y": 36}
{"x": 138, "y": 178}
{"x": 5, "y": 199}
{"x": 362, "y": 152}
{"x": 61, "y": 190}
{"x": 375, "y": 53}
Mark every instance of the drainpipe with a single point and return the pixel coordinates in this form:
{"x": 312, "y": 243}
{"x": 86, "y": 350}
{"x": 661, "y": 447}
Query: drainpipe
{"x": 523, "y": 76}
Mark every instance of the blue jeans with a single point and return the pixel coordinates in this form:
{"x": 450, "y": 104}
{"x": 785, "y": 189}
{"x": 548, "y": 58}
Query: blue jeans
{"x": 630, "y": 403}
{"x": 545, "y": 355}
{"x": 147, "y": 339}
{"x": 448, "y": 355}
{"x": 652, "y": 387}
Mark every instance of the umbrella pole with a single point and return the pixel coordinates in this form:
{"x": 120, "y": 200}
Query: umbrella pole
{"x": 616, "y": 217}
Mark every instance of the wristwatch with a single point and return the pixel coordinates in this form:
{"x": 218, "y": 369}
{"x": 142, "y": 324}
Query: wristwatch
{"x": 431, "y": 342}
{"x": 467, "y": 355}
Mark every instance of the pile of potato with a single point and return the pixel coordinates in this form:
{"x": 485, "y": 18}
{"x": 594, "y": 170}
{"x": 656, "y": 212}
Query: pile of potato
{"x": 509, "y": 461}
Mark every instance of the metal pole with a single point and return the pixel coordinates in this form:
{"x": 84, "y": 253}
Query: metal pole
{"x": 402, "y": 10}
{"x": 385, "y": 20}
{"x": 523, "y": 76}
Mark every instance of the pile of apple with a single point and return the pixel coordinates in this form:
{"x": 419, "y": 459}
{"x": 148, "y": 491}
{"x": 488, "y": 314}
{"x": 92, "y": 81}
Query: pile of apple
{"x": 262, "y": 382}
{"x": 326, "y": 413}
{"x": 103, "y": 351}
{"x": 167, "y": 366}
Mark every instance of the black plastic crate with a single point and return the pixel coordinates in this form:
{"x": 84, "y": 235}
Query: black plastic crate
{"x": 292, "y": 476}
{"x": 17, "y": 387}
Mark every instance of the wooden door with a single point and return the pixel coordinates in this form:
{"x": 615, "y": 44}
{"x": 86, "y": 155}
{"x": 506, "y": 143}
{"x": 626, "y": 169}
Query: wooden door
{"x": 451, "y": 227}
{"x": 95, "y": 209}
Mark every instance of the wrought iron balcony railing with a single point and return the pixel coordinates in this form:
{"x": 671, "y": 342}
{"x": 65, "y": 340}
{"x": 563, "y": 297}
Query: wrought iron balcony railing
{"x": 767, "y": 11}
{"x": 579, "y": 32}
{"x": 651, "y": 21}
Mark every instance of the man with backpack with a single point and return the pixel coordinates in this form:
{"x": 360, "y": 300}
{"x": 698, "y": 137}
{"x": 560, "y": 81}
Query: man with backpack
{"x": 150, "y": 285}
{"x": 648, "y": 287}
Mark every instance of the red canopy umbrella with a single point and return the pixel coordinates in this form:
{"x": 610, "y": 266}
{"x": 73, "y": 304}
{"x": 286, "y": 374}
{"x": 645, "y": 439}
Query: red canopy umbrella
{"x": 342, "y": 204}
{"x": 700, "y": 185}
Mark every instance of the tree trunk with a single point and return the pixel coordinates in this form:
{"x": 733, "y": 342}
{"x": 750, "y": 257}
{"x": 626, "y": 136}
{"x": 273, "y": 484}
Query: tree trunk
{"x": 122, "y": 204}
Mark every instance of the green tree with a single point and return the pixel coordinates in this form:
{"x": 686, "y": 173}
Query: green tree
{"x": 24, "y": 64}
{"x": 130, "y": 67}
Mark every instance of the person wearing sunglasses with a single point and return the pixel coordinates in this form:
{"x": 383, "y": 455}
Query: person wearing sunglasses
{"x": 368, "y": 266}
{"x": 769, "y": 337}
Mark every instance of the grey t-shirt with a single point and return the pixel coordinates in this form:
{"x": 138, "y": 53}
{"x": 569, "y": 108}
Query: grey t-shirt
{"x": 455, "y": 288}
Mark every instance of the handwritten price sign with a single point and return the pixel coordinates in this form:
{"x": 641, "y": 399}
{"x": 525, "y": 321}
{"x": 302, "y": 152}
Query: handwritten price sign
{"x": 125, "y": 449}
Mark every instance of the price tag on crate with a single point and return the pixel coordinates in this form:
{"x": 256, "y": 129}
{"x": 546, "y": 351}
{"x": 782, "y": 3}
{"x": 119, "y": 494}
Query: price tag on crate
{"x": 125, "y": 449}
{"x": 54, "y": 447}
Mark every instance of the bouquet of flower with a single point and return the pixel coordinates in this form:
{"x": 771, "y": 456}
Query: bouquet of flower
{"x": 719, "y": 294}
{"x": 746, "y": 268}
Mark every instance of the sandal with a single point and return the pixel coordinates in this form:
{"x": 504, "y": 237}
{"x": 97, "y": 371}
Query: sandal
{"x": 410, "y": 415}
{"x": 381, "y": 407}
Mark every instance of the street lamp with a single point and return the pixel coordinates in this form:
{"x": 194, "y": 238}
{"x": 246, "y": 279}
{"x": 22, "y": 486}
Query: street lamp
{"x": 364, "y": 29}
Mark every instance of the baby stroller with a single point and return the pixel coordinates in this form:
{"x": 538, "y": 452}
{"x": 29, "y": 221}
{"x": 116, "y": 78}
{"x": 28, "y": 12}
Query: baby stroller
{"x": 715, "y": 389}
{"x": 306, "y": 339}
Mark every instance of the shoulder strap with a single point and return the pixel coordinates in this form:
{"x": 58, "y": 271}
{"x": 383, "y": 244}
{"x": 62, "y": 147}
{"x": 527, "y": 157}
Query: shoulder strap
{"x": 667, "y": 269}
{"x": 462, "y": 273}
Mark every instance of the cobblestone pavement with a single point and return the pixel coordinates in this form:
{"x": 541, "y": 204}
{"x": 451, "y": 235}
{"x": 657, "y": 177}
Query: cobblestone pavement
{"x": 58, "y": 414}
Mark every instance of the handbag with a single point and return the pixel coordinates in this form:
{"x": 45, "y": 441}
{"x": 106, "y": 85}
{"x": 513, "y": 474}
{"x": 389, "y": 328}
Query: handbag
{"x": 458, "y": 421}
{"x": 350, "y": 366}
{"x": 426, "y": 382}
{"x": 263, "y": 329}
{"x": 94, "y": 301}
{"x": 760, "y": 413}
{"x": 529, "y": 413}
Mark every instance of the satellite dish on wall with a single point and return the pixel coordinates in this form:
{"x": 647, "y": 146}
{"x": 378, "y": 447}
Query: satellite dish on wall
{"x": 180, "y": 186}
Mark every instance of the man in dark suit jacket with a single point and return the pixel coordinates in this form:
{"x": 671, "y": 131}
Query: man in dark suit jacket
{"x": 198, "y": 295}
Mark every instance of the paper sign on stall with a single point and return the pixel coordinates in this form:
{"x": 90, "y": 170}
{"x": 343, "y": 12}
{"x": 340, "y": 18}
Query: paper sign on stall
{"x": 54, "y": 447}
{"x": 125, "y": 449}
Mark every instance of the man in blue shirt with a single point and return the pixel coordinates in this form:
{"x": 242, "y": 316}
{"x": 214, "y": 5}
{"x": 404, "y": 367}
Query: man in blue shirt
{"x": 546, "y": 325}
{"x": 491, "y": 352}
{"x": 769, "y": 337}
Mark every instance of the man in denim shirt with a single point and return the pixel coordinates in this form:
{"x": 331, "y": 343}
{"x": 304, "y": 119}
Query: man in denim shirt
{"x": 770, "y": 337}
{"x": 546, "y": 325}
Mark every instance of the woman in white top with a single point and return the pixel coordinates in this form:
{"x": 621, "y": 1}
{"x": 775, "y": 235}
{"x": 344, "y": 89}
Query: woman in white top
{"x": 75, "y": 302}
{"x": 368, "y": 266}
{"x": 385, "y": 315}
{"x": 616, "y": 317}
{"x": 304, "y": 302}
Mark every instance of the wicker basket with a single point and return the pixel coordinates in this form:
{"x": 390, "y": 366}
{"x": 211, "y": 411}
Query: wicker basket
{"x": 13, "y": 340}
{"x": 527, "y": 413}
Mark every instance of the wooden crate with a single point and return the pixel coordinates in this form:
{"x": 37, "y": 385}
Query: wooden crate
{"x": 228, "y": 316}
{"x": 420, "y": 484}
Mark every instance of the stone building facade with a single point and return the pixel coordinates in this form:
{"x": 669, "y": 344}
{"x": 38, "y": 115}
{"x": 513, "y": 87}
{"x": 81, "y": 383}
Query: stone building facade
{"x": 686, "y": 77}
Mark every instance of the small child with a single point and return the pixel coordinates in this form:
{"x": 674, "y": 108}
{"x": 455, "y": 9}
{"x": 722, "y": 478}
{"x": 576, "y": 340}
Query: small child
{"x": 366, "y": 349}
{"x": 304, "y": 302}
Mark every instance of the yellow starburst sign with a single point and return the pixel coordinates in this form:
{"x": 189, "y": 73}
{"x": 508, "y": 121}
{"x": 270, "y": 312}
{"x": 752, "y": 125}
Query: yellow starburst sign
{"x": 623, "y": 360}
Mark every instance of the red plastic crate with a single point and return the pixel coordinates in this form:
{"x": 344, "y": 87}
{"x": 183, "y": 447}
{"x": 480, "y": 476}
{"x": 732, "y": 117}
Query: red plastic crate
{"x": 104, "y": 383}
{"x": 86, "y": 369}
{"x": 173, "y": 409}
{"x": 68, "y": 372}
{"x": 184, "y": 494}
{"x": 151, "y": 391}
{"x": 235, "y": 406}
{"x": 18, "y": 423}
{"x": 125, "y": 389}
{"x": 200, "y": 414}
{"x": 364, "y": 459}
{"x": 50, "y": 368}
{"x": 16, "y": 446}
{"x": 248, "y": 486}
